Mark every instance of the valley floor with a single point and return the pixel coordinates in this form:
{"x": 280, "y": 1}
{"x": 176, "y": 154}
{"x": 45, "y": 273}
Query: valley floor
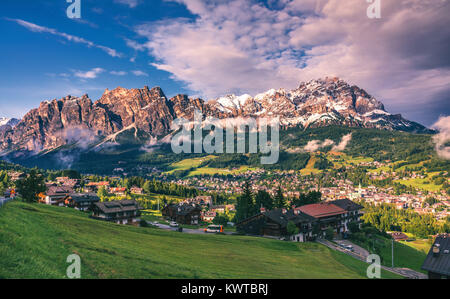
{"x": 36, "y": 240}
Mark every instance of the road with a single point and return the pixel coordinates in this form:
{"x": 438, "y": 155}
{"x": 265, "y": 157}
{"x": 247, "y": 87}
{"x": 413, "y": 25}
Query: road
{"x": 3, "y": 201}
{"x": 362, "y": 254}
{"x": 185, "y": 230}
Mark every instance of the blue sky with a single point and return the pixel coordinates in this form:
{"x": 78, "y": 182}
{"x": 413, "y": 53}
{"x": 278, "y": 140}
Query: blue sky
{"x": 210, "y": 48}
{"x": 39, "y": 65}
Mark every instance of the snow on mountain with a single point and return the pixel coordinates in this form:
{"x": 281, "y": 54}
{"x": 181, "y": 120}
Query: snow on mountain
{"x": 12, "y": 122}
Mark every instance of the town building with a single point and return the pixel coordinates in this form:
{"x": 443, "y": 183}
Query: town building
{"x": 55, "y": 195}
{"x": 183, "y": 213}
{"x": 120, "y": 212}
{"x": 81, "y": 201}
{"x": 274, "y": 224}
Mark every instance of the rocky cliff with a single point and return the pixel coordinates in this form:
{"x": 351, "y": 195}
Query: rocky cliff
{"x": 79, "y": 120}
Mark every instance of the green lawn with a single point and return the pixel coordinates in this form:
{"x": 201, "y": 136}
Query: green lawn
{"x": 36, "y": 240}
{"x": 405, "y": 256}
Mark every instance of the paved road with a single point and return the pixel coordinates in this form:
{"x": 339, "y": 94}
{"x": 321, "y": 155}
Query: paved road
{"x": 185, "y": 230}
{"x": 3, "y": 201}
{"x": 361, "y": 254}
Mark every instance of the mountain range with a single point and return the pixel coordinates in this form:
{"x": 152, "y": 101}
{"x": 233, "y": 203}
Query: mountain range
{"x": 149, "y": 114}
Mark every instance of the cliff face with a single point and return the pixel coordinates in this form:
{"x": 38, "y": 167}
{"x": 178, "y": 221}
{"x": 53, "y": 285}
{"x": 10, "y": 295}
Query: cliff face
{"x": 78, "y": 120}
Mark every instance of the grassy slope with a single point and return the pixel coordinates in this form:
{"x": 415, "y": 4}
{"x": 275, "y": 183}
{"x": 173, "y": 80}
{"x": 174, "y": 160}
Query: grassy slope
{"x": 36, "y": 240}
{"x": 405, "y": 256}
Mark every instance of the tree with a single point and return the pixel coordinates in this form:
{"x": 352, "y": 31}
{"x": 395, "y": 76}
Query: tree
{"x": 264, "y": 199}
{"x": 102, "y": 193}
{"x": 279, "y": 199}
{"x": 292, "y": 229}
{"x": 221, "y": 219}
{"x": 30, "y": 187}
{"x": 245, "y": 206}
{"x": 329, "y": 234}
{"x": 353, "y": 227}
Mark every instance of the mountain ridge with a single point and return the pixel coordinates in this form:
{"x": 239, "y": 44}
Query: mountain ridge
{"x": 321, "y": 102}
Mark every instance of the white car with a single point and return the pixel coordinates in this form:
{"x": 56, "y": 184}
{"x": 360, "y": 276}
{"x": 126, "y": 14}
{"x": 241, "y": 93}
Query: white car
{"x": 173, "y": 224}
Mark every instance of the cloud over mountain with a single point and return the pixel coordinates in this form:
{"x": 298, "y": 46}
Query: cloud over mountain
{"x": 244, "y": 46}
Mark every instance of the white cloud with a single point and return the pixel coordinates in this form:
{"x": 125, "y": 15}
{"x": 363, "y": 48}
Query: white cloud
{"x": 130, "y": 3}
{"x": 242, "y": 46}
{"x": 139, "y": 73}
{"x": 72, "y": 38}
{"x": 91, "y": 74}
{"x": 441, "y": 140}
{"x": 118, "y": 73}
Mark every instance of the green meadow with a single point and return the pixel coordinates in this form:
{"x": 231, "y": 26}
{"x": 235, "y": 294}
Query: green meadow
{"x": 36, "y": 240}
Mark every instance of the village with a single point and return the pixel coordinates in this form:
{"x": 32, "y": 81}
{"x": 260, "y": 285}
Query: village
{"x": 331, "y": 187}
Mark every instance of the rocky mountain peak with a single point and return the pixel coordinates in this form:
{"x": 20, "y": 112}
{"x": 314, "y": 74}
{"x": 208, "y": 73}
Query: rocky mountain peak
{"x": 321, "y": 102}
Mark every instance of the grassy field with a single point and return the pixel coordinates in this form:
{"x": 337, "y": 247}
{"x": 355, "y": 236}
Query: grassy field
{"x": 422, "y": 245}
{"x": 424, "y": 184}
{"x": 37, "y": 239}
{"x": 405, "y": 256}
{"x": 189, "y": 163}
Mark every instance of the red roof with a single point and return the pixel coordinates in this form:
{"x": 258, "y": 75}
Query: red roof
{"x": 319, "y": 210}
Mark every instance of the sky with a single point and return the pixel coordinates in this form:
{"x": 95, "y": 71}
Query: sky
{"x": 211, "y": 48}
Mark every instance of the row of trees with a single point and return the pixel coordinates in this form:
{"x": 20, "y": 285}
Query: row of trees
{"x": 387, "y": 218}
{"x": 248, "y": 203}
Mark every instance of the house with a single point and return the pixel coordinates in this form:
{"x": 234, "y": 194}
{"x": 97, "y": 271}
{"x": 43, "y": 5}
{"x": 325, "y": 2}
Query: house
{"x": 398, "y": 236}
{"x": 183, "y": 213}
{"x": 136, "y": 190}
{"x": 274, "y": 224}
{"x": 353, "y": 211}
{"x": 437, "y": 262}
{"x": 94, "y": 186}
{"x": 56, "y": 195}
{"x": 118, "y": 190}
{"x": 327, "y": 215}
{"x": 81, "y": 201}
{"x": 120, "y": 212}
{"x": 209, "y": 216}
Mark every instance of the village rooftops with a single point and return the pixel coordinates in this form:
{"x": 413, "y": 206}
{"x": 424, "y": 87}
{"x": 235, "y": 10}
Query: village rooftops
{"x": 58, "y": 190}
{"x": 320, "y": 210}
{"x": 84, "y": 197}
{"x": 346, "y": 204}
{"x": 438, "y": 258}
{"x": 282, "y": 217}
{"x": 117, "y": 206}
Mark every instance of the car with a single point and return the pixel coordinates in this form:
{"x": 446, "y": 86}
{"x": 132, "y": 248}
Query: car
{"x": 214, "y": 229}
{"x": 349, "y": 247}
{"x": 173, "y": 224}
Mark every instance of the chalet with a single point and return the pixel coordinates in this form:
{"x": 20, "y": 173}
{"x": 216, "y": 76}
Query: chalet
{"x": 274, "y": 224}
{"x": 183, "y": 213}
{"x": 328, "y": 215}
{"x": 94, "y": 186}
{"x": 353, "y": 210}
{"x": 136, "y": 190}
{"x": 118, "y": 190}
{"x": 81, "y": 201}
{"x": 208, "y": 216}
{"x": 398, "y": 236}
{"x": 437, "y": 262}
{"x": 56, "y": 195}
{"x": 120, "y": 212}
